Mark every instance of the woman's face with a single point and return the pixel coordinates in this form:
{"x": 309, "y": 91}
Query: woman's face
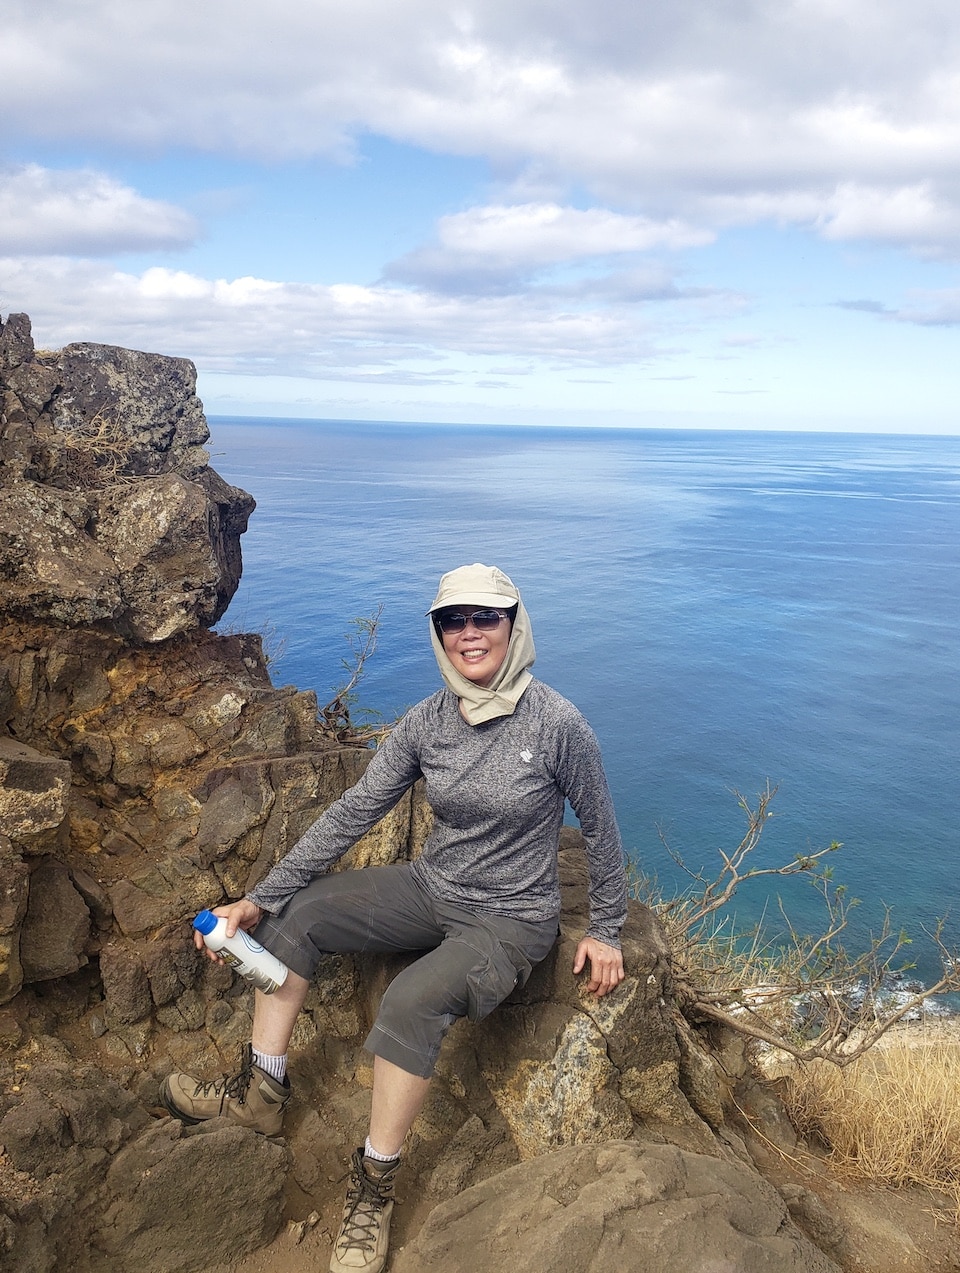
{"x": 477, "y": 655}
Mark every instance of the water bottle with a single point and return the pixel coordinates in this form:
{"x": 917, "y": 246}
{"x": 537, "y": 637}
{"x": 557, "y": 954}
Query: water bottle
{"x": 241, "y": 952}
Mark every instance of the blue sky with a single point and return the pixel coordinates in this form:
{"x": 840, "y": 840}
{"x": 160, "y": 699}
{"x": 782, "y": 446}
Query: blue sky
{"x": 717, "y": 213}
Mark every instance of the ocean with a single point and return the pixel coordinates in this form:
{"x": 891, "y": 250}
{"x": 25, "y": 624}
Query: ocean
{"x": 728, "y": 609}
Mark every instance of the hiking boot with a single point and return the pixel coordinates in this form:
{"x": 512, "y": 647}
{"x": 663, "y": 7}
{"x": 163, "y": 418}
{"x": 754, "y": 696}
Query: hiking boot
{"x": 365, "y": 1229}
{"x": 251, "y": 1097}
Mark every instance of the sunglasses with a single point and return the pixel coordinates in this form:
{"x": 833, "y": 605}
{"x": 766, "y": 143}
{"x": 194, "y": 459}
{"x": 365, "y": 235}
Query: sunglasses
{"x": 484, "y": 620}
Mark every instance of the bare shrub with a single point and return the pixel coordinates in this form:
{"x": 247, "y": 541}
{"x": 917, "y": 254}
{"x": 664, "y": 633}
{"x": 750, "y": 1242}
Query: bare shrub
{"x": 805, "y": 995}
{"x": 341, "y": 719}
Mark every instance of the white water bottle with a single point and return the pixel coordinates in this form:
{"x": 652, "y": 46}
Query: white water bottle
{"x": 241, "y": 952}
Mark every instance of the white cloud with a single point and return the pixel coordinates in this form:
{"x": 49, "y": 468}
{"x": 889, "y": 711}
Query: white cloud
{"x": 917, "y": 217}
{"x": 931, "y": 309}
{"x": 44, "y": 211}
{"x": 663, "y": 110}
{"x": 913, "y": 216}
{"x": 264, "y": 326}
{"x": 499, "y": 246}
{"x": 546, "y": 233}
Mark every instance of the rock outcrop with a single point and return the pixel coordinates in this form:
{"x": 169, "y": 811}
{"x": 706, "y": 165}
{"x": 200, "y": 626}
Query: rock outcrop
{"x": 148, "y": 768}
{"x": 109, "y": 514}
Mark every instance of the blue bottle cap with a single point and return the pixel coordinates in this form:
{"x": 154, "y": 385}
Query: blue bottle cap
{"x": 205, "y": 922}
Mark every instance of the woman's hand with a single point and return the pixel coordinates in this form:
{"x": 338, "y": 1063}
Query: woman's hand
{"x": 606, "y": 965}
{"x": 243, "y": 914}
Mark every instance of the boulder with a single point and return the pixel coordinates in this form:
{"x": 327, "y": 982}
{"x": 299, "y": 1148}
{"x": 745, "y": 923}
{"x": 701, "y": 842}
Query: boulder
{"x": 188, "y": 1201}
{"x": 51, "y": 566}
{"x": 60, "y": 1125}
{"x": 16, "y": 342}
{"x": 565, "y": 1067}
{"x": 91, "y": 1182}
{"x": 126, "y": 986}
{"x": 34, "y": 937}
{"x": 14, "y": 890}
{"x": 625, "y": 1206}
{"x": 149, "y": 399}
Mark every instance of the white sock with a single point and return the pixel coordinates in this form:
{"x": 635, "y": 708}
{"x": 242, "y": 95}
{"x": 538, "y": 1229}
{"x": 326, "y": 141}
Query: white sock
{"x": 370, "y": 1152}
{"x": 275, "y": 1066}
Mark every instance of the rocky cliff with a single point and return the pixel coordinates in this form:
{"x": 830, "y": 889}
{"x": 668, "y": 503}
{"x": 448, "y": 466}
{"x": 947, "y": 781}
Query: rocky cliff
{"x": 150, "y": 768}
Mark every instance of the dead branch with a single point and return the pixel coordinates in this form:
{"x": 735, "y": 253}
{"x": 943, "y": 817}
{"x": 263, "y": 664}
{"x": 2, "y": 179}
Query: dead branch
{"x": 842, "y": 1041}
{"x": 797, "y": 996}
{"x": 717, "y": 893}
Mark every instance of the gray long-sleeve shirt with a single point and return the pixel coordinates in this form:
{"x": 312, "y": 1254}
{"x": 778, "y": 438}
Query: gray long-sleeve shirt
{"x": 497, "y": 792}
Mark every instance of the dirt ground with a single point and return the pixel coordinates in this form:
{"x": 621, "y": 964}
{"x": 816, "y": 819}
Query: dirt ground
{"x": 311, "y": 1220}
{"x": 907, "y": 1229}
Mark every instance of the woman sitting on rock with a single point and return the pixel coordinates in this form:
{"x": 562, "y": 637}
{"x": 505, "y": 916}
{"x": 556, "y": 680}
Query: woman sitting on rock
{"x": 500, "y": 753}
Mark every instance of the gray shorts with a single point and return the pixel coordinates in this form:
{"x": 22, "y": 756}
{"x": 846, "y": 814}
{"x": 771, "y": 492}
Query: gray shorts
{"x": 471, "y": 963}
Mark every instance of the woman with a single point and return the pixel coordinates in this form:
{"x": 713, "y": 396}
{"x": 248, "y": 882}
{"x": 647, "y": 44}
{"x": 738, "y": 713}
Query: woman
{"x": 500, "y": 753}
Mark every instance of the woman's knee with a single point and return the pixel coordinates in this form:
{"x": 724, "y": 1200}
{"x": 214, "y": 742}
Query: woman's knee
{"x": 412, "y": 996}
{"x": 411, "y": 1025}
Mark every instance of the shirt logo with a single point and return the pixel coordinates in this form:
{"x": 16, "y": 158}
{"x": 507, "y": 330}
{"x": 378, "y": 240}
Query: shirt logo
{"x": 526, "y": 756}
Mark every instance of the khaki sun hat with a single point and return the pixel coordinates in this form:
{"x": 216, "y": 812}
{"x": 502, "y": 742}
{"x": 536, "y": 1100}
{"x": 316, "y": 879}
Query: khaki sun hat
{"x": 475, "y": 585}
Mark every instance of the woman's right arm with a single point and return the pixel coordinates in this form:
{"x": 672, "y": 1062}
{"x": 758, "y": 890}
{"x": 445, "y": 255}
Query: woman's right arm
{"x": 392, "y": 770}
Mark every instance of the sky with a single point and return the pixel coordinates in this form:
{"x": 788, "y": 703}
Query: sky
{"x": 701, "y": 214}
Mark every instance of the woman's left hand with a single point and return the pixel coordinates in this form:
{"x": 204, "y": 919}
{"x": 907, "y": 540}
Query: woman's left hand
{"x": 606, "y": 965}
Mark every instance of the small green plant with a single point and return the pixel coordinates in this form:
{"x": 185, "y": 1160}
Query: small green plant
{"x": 341, "y": 719}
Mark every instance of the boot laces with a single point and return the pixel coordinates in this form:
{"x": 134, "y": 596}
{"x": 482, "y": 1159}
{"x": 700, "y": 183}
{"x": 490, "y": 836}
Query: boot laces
{"x": 234, "y": 1085}
{"x": 365, "y": 1202}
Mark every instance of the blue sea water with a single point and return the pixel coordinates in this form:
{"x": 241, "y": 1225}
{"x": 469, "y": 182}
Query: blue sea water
{"x": 727, "y": 609}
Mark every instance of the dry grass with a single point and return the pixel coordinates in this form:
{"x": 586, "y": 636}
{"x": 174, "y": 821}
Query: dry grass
{"x": 893, "y": 1116}
{"x": 99, "y": 454}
